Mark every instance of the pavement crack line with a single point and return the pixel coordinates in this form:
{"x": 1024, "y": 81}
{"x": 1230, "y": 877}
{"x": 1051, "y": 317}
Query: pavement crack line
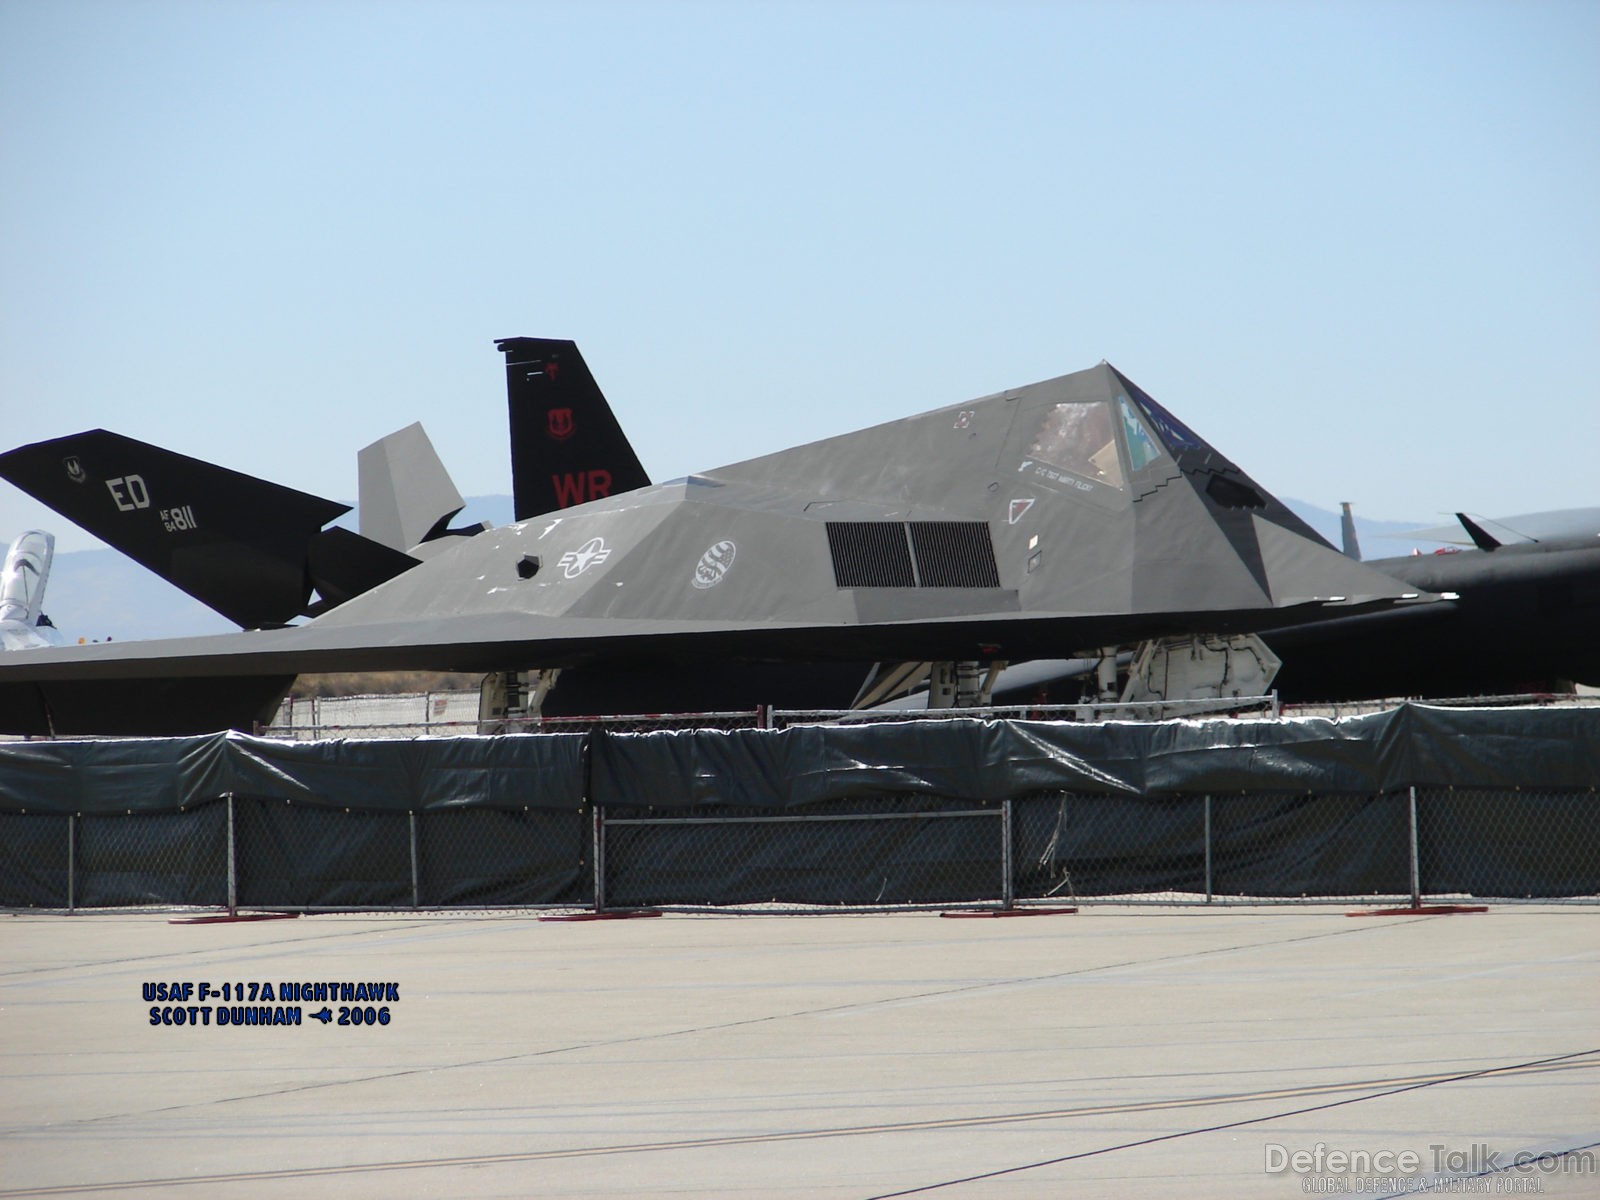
{"x": 1407, "y": 1086}
{"x": 1388, "y": 1087}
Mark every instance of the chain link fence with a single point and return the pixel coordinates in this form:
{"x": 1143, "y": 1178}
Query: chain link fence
{"x": 36, "y": 860}
{"x": 849, "y": 853}
{"x": 519, "y": 858}
{"x": 150, "y": 858}
{"x": 854, "y": 853}
{"x": 252, "y": 852}
{"x": 959, "y": 812}
{"x": 410, "y": 714}
{"x": 1545, "y": 843}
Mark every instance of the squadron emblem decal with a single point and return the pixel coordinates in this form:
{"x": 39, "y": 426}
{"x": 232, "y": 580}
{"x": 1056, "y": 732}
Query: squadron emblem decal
{"x": 75, "y": 471}
{"x": 576, "y": 562}
{"x": 714, "y": 564}
{"x": 558, "y": 424}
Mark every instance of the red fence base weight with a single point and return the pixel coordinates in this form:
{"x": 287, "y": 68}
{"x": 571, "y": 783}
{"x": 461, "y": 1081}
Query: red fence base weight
{"x": 621, "y": 914}
{"x": 1008, "y": 912}
{"x": 1421, "y": 910}
{"x": 227, "y": 918}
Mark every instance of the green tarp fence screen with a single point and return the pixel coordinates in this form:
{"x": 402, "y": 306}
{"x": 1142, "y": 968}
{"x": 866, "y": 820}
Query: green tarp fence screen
{"x": 1293, "y": 807}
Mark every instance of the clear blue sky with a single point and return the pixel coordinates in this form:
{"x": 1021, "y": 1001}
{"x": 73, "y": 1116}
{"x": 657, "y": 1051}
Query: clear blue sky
{"x": 1356, "y": 245}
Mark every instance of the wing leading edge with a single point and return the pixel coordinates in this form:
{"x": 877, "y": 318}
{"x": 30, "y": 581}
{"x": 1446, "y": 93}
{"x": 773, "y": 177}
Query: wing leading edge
{"x": 1038, "y": 522}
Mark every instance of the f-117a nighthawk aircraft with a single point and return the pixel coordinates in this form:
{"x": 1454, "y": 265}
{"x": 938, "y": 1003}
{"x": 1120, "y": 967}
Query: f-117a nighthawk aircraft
{"x": 1522, "y": 611}
{"x": 1042, "y": 521}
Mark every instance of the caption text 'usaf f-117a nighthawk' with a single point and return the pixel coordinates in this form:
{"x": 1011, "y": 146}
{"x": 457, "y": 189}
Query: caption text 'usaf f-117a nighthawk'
{"x": 1052, "y": 519}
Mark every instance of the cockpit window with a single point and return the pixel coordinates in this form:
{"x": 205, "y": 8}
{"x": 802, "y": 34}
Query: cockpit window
{"x": 1079, "y": 437}
{"x": 1142, "y": 448}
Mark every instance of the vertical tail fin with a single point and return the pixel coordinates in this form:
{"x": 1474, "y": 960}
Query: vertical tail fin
{"x": 1481, "y": 537}
{"x": 249, "y": 549}
{"x": 1347, "y": 530}
{"x": 566, "y": 445}
{"x": 407, "y": 497}
{"x": 235, "y": 543}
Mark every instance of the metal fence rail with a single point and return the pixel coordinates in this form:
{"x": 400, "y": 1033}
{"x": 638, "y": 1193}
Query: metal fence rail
{"x": 853, "y": 853}
{"x": 455, "y": 712}
{"x": 452, "y": 713}
{"x": 1265, "y": 707}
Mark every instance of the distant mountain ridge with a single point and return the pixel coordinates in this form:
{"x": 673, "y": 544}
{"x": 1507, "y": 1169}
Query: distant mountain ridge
{"x": 101, "y": 594}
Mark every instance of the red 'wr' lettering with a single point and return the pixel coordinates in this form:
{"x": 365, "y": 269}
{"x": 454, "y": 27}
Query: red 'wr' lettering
{"x": 576, "y": 487}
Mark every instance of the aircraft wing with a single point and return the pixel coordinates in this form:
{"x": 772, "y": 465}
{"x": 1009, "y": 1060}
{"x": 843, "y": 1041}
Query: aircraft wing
{"x": 1555, "y": 525}
{"x": 1040, "y": 522}
{"x": 184, "y": 684}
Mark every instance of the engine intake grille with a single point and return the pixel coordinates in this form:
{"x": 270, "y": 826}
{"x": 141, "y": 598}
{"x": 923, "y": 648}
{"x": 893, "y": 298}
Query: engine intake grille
{"x": 929, "y": 554}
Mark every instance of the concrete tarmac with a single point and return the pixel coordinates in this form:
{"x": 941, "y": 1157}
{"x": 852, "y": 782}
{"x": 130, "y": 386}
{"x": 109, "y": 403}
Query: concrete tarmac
{"x": 1223, "y": 1052}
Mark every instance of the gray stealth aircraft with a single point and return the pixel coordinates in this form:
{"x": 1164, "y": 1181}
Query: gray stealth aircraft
{"x": 1042, "y": 521}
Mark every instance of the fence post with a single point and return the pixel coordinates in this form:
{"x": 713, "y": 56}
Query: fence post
{"x": 599, "y": 859}
{"x": 1416, "y": 866}
{"x": 1008, "y": 886}
{"x": 598, "y": 814}
{"x": 1208, "y": 847}
{"x": 233, "y": 866}
{"x": 72, "y": 861}
{"x": 416, "y": 874}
